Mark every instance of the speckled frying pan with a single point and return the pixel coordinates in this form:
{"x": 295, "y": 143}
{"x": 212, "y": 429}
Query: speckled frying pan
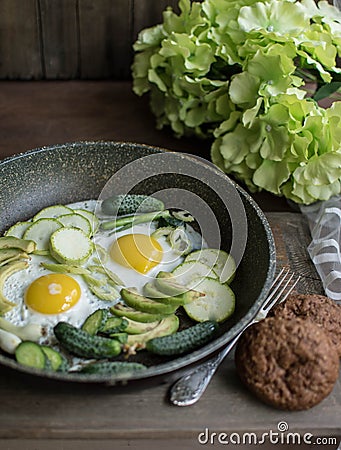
{"x": 78, "y": 171}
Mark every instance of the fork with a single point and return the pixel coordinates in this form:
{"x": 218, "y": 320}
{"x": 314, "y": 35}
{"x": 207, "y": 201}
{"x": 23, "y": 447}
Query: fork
{"x": 189, "y": 388}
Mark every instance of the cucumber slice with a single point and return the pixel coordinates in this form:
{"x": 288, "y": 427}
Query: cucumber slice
{"x": 56, "y": 360}
{"x": 30, "y": 354}
{"x": 70, "y": 245}
{"x": 18, "y": 229}
{"x": 186, "y": 272}
{"x": 40, "y": 232}
{"x": 95, "y": 321}
{"x": 77, "y": 221}
{"x": 217, "y": 304}
{"x": 52, "y": 212}
{"x": 92, "y": 218}
{"x": 221, "y": 262}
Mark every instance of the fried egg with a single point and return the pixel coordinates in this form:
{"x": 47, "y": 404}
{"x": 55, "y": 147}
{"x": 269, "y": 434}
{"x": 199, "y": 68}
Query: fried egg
{"x": 135, "y": 256}
{"x": 46, "y": 297}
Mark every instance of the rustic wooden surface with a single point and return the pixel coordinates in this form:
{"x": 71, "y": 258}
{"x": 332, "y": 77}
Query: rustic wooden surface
{"x": 39, "y": 113}
{"x": 39, "y": 414}
{"x": 36, "y": 414}
{"x": 67, "y": 39}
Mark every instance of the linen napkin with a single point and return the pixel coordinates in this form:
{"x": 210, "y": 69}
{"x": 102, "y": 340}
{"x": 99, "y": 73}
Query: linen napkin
{"x": 325, "y": 248}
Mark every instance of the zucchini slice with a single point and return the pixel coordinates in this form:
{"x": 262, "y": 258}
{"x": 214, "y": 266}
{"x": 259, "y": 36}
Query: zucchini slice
{"x": 70, "y": 245}
{"x": 77, "y": 221}
{"x": 221, "y": 262}
{"x": 40, "y": 232}
{"x": 52, "y": 212}
{"x": 92, "y": 218}
{"x": 18, "y": 229}
{"x": 217, "y": 304}
{"x": 188, "y": 271}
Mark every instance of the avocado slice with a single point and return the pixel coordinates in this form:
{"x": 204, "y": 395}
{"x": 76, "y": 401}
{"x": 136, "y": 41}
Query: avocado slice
{"x": 122, "y": 310}
{"x": 168, "y": 325}
{"x": 14, "y": 242}
{"x": 144, "y": 304}
{"x": 135, "y": 327}
{"x": 152, "y": 292}
{"x": 6, "y": 272}
{"x": 11, "y": 254}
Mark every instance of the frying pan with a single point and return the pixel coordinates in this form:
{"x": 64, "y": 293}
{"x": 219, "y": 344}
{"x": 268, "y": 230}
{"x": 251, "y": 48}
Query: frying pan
{"x": 71, "y": 172}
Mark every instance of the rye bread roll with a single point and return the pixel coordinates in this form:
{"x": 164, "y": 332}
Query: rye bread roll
{"x": 289, "y": 364}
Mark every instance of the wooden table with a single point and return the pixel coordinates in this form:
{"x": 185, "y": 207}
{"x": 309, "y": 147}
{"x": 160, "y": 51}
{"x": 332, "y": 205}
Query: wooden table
{"x": 42, "y": 414}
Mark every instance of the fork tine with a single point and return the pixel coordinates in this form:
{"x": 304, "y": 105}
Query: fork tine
{"x": 280, "y": 287}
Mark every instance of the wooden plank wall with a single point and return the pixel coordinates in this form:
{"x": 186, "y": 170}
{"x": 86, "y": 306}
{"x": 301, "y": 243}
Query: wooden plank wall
{"x": 73, "y": 39}
{"x": 68, "y": 39}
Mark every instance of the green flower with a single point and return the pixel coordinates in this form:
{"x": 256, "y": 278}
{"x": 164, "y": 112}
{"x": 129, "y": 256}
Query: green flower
{"x": 234, "y": 71}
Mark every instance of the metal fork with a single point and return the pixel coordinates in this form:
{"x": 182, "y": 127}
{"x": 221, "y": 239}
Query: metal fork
{"x": 188, "y": 389}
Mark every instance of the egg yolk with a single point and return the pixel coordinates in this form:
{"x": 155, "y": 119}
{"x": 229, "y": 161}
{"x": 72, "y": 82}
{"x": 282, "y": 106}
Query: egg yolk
{"x": 53, "y": 293}
{"x": 138, "y": 251}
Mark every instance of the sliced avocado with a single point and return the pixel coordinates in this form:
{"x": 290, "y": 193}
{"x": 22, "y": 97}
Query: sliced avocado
{"x": 122, "y": 310}
{"x": 152, "y": 292}
{"x": 14, "y": 242}
{"x": 144, "y": 304}
{"x": 164, "y": 274}
{"x": 167, "y": 326}
{"x": 169, "y": 287}
{"x": 135, "y": 327}
{"x": 11, "y": 254}
{"x": 5, "y": 272}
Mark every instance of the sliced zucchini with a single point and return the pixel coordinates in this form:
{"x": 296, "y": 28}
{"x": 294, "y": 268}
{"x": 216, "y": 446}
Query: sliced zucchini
{"x": 77, "y": 221}
{"x": 18, "y": 229}
{"x": 70, "y": 245}
{"x": 92, "y": 218}
{"x": 221, "y": 262}
{"x": 30, "y": 354}
{"x": 183, "y": 341}
{"x": 217, "y": 304}
{"x": 186, "y": 272}
{"x": 40, "y": 232}
{"x": 52, "y": 212}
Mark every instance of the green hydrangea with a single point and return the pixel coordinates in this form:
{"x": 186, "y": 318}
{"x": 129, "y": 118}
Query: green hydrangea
{"x": 235, "y": 72}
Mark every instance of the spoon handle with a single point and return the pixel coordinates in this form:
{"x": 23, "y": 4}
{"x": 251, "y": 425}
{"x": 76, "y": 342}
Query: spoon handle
{"x": 188, "y": 389}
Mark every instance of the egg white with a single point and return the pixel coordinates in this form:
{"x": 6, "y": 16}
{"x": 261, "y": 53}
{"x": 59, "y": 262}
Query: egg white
{"x": 15, "y": 286}
{"x": 129, "y": 276}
